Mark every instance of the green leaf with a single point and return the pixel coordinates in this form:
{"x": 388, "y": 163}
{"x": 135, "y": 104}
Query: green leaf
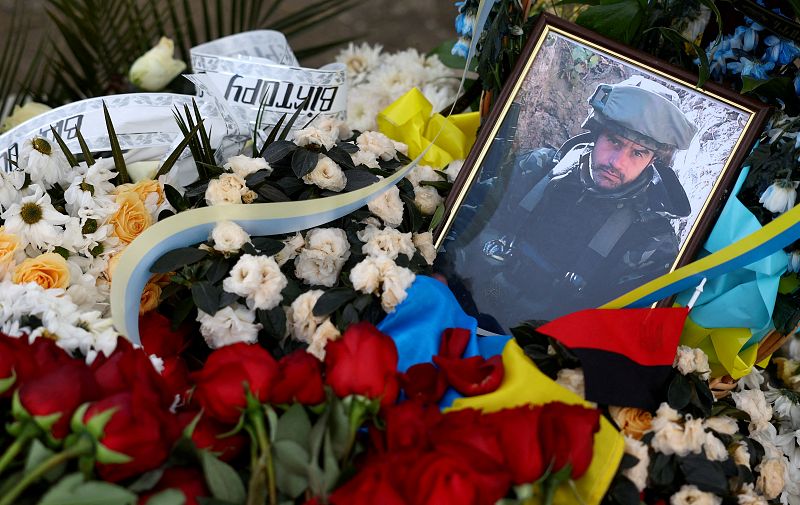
{"x": 272, "y": 194}
{"x": 303, "y": 161}
{"x": 222, "y": 479}
{"x": 359, "y": 178}
{"x": 206, "y": 296}
{"x": 278, "y": 150}
{"x": 175, "y": 198}
{"x": 73, "y": 162}
{"x": 147, "y": 480}
{"x": 662, "y": 470}
{"x": 294, "y": 425}
{"x": 617, "y": 19}
{"x": 412, "y": 220}
{"x": 440, "y": 185}
{"x": 267, "y": 245}
{"x": 679, "y": 393}
{"x": 217, "y": 270}
{"x": 273, "y": 321}
{"x": 341, "y": 158}
{"x": 37, "y": 454}
{"x": 72, "y": 490}
{"x": 168, "y": 497}
{"x": 290, "y": 124}
{"x": 774, "y": 89}
{"x": 707, "y": 475}
{"x": 177, "y": 258}
{"x": 116, "y": 151}
{"x": 437, "y": 217}
{"x": 332, "y": 299}
{"x": 291, "y": 467}
{"x": 176, "y": 153}
{"x": 87, "y": 154}
{"x": 445, "y": 53}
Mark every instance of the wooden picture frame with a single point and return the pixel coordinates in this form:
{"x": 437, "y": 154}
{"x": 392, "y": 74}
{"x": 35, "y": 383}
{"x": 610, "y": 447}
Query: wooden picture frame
{"x": 520, "y": 239}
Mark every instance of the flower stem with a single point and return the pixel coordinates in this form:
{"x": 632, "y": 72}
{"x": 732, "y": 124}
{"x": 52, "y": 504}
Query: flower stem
{"x": 81, "y": 447}
{"x": 13, "y": 450}
{"x": 264, "y": 463}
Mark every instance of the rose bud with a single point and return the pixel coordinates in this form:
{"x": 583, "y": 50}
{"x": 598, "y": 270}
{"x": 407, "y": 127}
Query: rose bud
{"x": 472, "y": 376}
{"x": 454, "y": 342}
{"x": 156, "y": 68}
{"x": 299, "y": 380}
{"x": 139, "y": 428}
{"x": 189, "y": 481}
{"x": 363, "y": 362}
{"x": 566, "y": 434}
{"x": 221, "y": 383}
{"x": 424, "y": 382}
{"x": 518, "y": 432}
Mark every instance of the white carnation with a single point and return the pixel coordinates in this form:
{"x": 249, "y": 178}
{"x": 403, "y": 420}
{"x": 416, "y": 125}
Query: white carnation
{"x": 325, "y": 332}
{"x": 396, "y": 280}
{"x": 291, "y": 248}
{"x": 378, "y": 144}
{"x": 741, "y": 456}
{"x": 366, "y": 275}
{"x": 722, "y": 424}
{"x": 326, "y": 175}
{"x": 690, "y": 495}
{"x": 300, "y": 318}
{"x": 228, "y": 237}
{"x": 243, "y": 166}
{"x": 689, "y": 360}
{"x": 325, "y": 253}
{"x": 453, "y": 169}
{"x": 229, "y": 188}
{"x": 424, "y": 243}
{"x": 770, "y": 480}
{"x": 388, "y": 206}
{"x": 315, "y": 136}
{"x": 714, "y": 449}
{"x": 637, "y": 473}
{"x": 753, "y": 402}
{"x": 386, "y": 242}
{"x": 365, "y": 158}
{"x": 427, "y": 199}
{"x": 422, "y": 173}
{"x": 229, "y": 325}
{"x": 336, "y": 128}
{"x": 259, "y": 279}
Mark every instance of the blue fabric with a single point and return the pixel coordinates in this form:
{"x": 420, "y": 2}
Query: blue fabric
{"x": 417, "y": 324}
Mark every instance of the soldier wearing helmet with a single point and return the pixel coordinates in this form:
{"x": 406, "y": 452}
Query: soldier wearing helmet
{"x": 581, "y": 225}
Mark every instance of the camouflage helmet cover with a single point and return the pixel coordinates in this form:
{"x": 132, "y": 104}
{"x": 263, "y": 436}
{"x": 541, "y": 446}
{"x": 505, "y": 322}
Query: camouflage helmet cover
{"x": 644, "y": 110}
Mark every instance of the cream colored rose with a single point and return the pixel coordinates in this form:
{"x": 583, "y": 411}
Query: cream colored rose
{"x": 9, "y": 244}
{"x": 131, "y": 218}
{"x": 771, "y": 479}
{"x": 153, "y": 70}
{"x": 335, "y": 127}
{"x": 243, "y": 166}
{"x": 632, "y": 421}
{"x": 325, "y": 332}
{"x": 326, "y": 175}
{"x": 228, "y": 237}
{"x": 388, "y": 206}
{"x": 49, "y": 270}
{"x": 638, "y": 473}
{"x": 23, "y": 113}
{"x": 229, "y": 188}
{"x": 378, "y": 144}
{"x": 150, "y": 297}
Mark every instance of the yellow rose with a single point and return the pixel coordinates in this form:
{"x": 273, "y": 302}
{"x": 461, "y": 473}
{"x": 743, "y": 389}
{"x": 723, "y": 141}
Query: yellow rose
{"x": 150, "y": 297}
{"x": 142, "y": 189}
{"x": 9, "y": 243}
{"x": 48, "y": 270}
{"x": 131, "y": 218}
{"x": 632, "y": 421}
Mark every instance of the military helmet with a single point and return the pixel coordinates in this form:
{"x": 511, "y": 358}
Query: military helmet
{"x": 644, "y": 112}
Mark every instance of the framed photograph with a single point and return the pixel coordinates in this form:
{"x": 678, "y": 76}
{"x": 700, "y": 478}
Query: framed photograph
{"x": 599, "y": 169}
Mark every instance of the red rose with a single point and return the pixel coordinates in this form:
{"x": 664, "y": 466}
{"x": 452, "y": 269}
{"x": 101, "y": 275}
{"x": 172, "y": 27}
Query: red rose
{"x": 221, "y": 383}
{"x": 207, "y": 435}
{"x": 126, "y": 365}
{"x": 454, "y": 342}
{"x": 175, "y": 376}
{"x": 60, "y": 391}
{"x": 158, "y": 337}
{"x": 518, "y": 432}
{"x": 566, "y": 433}
{"x": 363, "y": 362}
{"x": 139, "y": 428}
{"x": 373, "y": 484}
{"x": 7, "y": 366}
{"x": 441, "y": 478}
{"x": 299, "y": 380}
{"x": 472, "y": 376}
{"x": 408, "y": 425}
{"x": 32, "y": 359}
{"x": 424, "y": 382}
{"x": 189, "y": 481}
{"x": 466, "y": 435}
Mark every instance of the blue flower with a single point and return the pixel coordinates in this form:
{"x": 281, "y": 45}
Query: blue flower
{"x": 464, "y": 24}
{"x": 751, "y": 68}
{"x": 797, "y": 85}
{"x": 748, "y": 35}
{"x": 780, "y": 51}
{"x": 718, "y": 55}
{"x": 461, "y": 47}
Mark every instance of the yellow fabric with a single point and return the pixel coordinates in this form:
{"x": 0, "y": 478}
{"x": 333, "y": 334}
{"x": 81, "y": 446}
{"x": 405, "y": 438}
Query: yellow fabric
{"x": 523, "y": 384}
{"x": 724, "y": 346}
{"x": 408, "y": 119}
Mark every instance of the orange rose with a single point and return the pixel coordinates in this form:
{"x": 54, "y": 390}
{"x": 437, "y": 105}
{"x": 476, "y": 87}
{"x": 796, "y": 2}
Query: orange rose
{"x": 48, "y": 270}
{"x": 632, "y": 421}
{"x": 150, "y": 297}
{"x": 131, "y": 218}
{"x": 9, "y": 243}
{"x": 142, "y": 189}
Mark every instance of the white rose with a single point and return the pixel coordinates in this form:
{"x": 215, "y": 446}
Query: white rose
{"x": 228, "y": 326}
{"x": 453, "y": 169}
{"x": 366, "y": 275}
{"x": 714, "y": 449}
{"x": 424, "y": 243}
{"x": 365, "y": 158}
{"x": 637, "y": 473}
{"x": 243, "y": 166}
{"x": 228, "y": 237}
{"x": 770, "y": 480}
{"x": 324, "y": 333}
{"x": 388, "y": 206}
{"x": 259, "y": 279}
{"x": 690, "y": 495}
{"x": 229, "y": 188}
{"x": 23, "y": 113}
{"x": 396, "y": 280}
{"x": 315, "y": 136}
{"x": 301, "y": 321}
{"x": 378, "y": 144}
{"x": 329, "y": 240}
{"x": 334, "y": 127}
{"x": 427, "y": 199}
{"x": 291, "y": 248}
{"x": 156, "y": 68}
{"x": 326, "y": 175}
{"x": 387, "y": 242}
{"x": 142, "y": 170}
{"x": 572, "y": 380}
{"x": 318, "y": 268}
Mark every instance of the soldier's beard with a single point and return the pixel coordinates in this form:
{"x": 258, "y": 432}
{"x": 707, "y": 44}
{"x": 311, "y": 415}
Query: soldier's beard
{"x": 606, "y": 177}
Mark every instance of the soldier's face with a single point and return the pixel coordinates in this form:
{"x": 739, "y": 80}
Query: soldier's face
{"x": 617, "y": 161}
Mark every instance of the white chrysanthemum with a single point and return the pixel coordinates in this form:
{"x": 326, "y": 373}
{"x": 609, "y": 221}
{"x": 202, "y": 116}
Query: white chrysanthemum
{"x": 326, "y": 175}
{"x": 388, "y": 206}
{"x": 395, "y": 80}
{"x": 690, "y": 495}
{"x": 315, "y": 136}
{"x": 780, "y": 196}
{"x": 386, "y": 242}
{"x": 453, "y": 169}
{"x": 359, "y": 59}
{"x": 228, "y": 237}
{"x": 11, "y": 188}
{"x": 83, "y": 194}
{"x": 35, "y": 221}
{"x": 363, "y": 105}
{"x": 229, "y": 188}
{"x": 259, "y": 279}
{"x": 637, "y": 473}
{"x": 396, "y": 281}
{"x": 424, "y": 244}
{"x": 365, "y": 158}
{"x": 572, "y": 380}
{"x": 43, "y": 161}
{"x": 439, "y": 96}
{"x": 755, "y": 404}
{"x": 230, "y": 325}
{"x": 291, "y": 248}
{"x": 243, "y": 166}
{"x": 378, "y": 144}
